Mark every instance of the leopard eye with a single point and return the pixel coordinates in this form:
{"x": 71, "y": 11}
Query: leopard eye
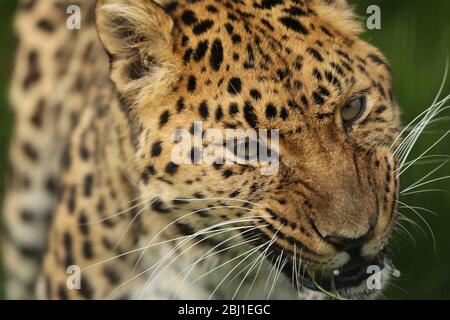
{"x": 353, "y": 110}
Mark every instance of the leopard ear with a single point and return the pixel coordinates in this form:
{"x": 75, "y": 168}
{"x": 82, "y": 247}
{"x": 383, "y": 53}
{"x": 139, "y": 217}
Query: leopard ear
{"x": 338, "y": 4}
{"x": 341, "y": 8}
{"x": 138, "y": 36}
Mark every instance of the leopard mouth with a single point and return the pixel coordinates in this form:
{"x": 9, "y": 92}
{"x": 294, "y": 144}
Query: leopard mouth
{"x": 350, "y": 279}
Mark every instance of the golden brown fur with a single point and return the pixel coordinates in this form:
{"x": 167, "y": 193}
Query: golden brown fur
{"x": 298, "y": 63}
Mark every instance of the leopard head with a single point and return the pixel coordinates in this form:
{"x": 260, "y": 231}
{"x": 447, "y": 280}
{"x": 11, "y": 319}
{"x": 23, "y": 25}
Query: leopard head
{"x": 296, "y": 68}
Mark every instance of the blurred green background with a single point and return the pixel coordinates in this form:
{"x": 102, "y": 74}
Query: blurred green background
{"x": 6, "y": 57}
{"x": 415, "y": 36}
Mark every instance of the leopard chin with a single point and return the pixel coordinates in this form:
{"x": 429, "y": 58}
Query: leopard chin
{"x": 358, "y": 279}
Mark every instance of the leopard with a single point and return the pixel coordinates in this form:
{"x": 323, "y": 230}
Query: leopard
{"x": 97, "y": 208}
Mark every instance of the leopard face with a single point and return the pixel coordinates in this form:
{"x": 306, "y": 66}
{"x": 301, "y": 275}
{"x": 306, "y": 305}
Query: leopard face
{"x": 294, "y": 66}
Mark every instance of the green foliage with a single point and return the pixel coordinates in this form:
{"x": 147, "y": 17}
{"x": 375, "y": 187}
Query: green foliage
{"x": 6, "y": 57}
{"x": 415, "y": 38}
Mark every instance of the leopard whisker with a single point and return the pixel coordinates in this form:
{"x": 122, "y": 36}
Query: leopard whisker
{"x": 134, "y": 184}
{"x": 427, "y": 182}
{"x": 405, "y": 231}
{"x": 202, "y": 232}
{"x": 297, "y": 268}
{"x": 208, "y": 254}
{"x": 294, "y": 278}
{"x": 427, "y": 116}
{"x": 250, "y": 268}
{"x": 167, "y": 256}
{"x": 413, "y": 130}
{"x": 114, "y": 215}
{"x": 274, "y": 237}
{"x": 424, "y": 153}
{"x": 278, "y": 269}
{"x": 184, "y": 216}
{"x": 270, "y": 273}
{"x": 426, "y": 176}
{"x": 417, "y": 227}
{"x": 424, "y": 191}
{"x": 245, "y": 268}
{"x": 409, "y": 141}
{"x": 133, "y": 251}
{"x": 413, "y": 223}
{"x": 219, "y": 199}
{"x": 297, "y": 273}
{"x": 130, "y": 224}
{"x": 248, "y": 254}
{"x": 260, "y": 264}
{"x": 424, "y": 160}
{"x": 423, "y": 209}
{"x": 140, "y": 249}
{"x": 428, "y": 110}
{"x": 424, "y": 220}
{"x": 293, "y": 264}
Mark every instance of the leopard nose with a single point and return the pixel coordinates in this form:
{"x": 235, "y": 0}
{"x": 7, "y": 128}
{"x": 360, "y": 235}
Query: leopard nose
{"x": 341, "y": 242}
{"x": 351, "y": 245}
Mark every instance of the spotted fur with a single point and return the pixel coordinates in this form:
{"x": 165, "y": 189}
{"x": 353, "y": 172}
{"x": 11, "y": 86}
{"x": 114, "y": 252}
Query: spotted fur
{"x": 96, "y": 110}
